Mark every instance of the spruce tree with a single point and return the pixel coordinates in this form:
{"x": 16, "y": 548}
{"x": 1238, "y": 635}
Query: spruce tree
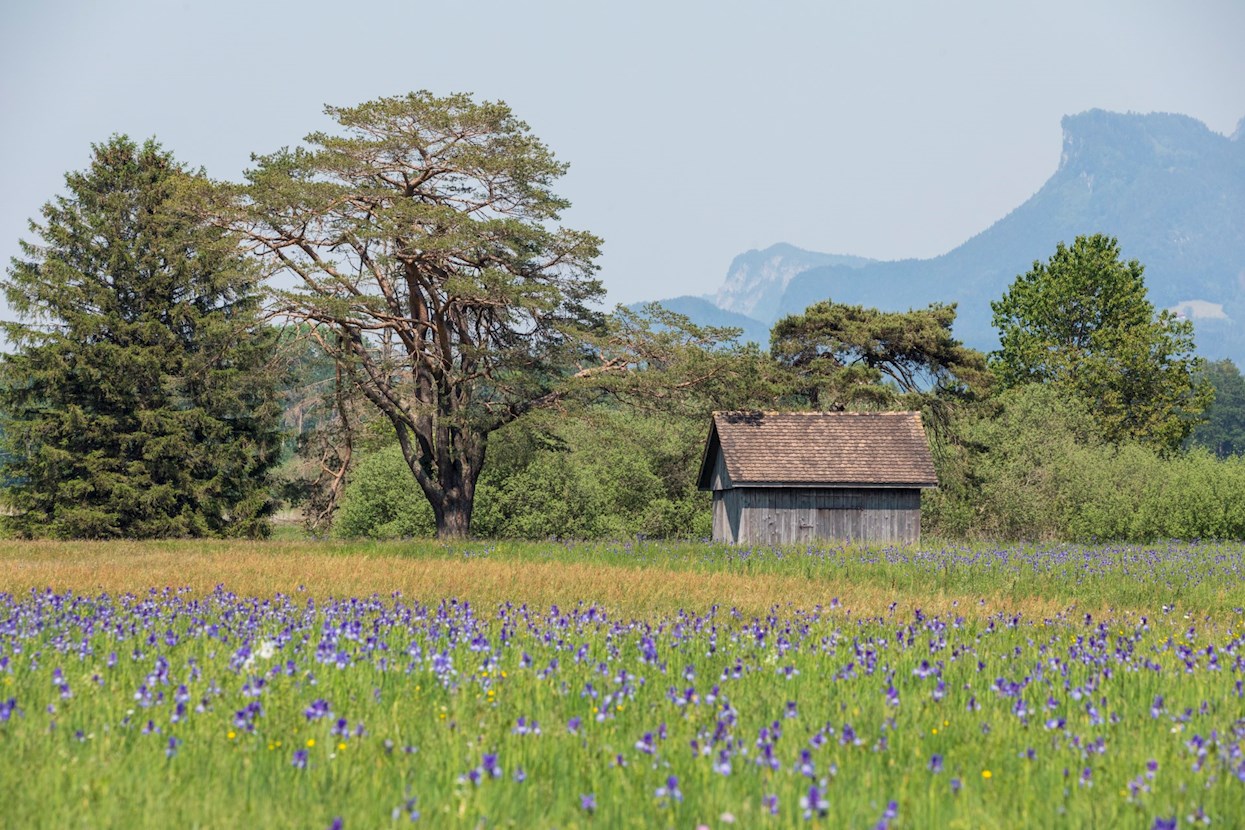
{"x": 136, "y": 398}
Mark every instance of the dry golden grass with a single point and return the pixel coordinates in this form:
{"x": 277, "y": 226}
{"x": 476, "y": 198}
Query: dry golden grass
{"x": 328, "y": 569}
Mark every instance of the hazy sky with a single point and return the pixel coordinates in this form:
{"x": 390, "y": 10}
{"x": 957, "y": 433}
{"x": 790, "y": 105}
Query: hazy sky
{"x": 695, "y": 131}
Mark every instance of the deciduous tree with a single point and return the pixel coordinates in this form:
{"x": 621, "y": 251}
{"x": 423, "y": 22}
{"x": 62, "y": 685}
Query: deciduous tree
{"x": 1082, "y": 321}
{"x": 1224, "y": 430}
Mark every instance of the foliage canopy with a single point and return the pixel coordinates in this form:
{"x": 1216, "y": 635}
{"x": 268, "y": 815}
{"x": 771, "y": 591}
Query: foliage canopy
{"x": 1223, "y": 433}
{"x": 425, "y": 241}
{"x": 137, "y": 400}
{"x": 1082, "y": 321}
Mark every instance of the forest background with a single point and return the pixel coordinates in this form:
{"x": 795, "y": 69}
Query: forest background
{"x": 165, "y": 381}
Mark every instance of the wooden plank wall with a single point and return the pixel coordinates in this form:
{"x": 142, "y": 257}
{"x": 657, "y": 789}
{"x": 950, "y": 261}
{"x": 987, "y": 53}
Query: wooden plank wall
{"x": 791, "y": 515}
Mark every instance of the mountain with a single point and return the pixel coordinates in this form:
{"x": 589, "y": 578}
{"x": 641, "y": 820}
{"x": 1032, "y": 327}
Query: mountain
{"x": 1171, "y": 190}
{"x": 703, "y": 312}
{"x": 756, "y": 280}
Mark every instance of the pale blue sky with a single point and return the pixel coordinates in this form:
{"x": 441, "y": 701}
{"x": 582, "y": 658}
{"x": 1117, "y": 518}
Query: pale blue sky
{"x": 694, "y": 131}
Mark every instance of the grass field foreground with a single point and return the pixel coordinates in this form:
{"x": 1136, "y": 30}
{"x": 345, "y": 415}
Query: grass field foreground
{"x": 382, "y": 684}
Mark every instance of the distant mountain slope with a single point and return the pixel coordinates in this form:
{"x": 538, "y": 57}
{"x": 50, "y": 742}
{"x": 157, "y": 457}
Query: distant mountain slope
{"x": 1169, "y": 188}
{"x": 704, "y": 313}
{"x": 756, "y": 280}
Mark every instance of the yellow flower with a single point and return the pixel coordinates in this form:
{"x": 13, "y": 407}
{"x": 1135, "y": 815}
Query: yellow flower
{"x": 341, "y": 746}
{"x": 986, "y": 774}
{"x": 934, "y": 731}
{"x": 311, "y": 742}
{"x": 231, "y": 734}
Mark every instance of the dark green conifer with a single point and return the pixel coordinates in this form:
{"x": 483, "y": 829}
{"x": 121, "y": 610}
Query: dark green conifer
{"x": 136, "y": 398}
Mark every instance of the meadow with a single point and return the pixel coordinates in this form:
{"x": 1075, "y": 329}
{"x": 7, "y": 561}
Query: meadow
{"x": 640, "y": 684}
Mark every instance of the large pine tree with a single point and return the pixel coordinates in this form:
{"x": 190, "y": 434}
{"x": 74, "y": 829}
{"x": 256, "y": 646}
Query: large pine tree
{"x": 136, "y": 399}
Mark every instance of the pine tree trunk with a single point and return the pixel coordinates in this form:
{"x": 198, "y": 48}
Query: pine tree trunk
{"x": 458, "y": 490}
{"x": 454, "y": 522}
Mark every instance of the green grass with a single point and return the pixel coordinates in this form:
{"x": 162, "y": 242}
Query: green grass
{"x": 1099, "y": 675}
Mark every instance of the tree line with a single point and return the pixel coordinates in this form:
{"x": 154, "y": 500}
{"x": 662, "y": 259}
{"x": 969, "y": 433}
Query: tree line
{"x": 389, "y": 327}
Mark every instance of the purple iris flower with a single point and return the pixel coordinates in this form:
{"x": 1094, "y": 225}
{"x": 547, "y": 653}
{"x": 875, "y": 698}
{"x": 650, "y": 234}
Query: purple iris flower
{"x": 671, "y": 789}
{"x": 318, "y": 709}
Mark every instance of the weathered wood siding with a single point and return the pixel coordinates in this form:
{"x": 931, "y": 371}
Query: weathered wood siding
{"x": 790, "y": 515}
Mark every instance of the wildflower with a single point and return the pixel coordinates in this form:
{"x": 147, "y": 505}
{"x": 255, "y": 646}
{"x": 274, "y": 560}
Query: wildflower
{"x": 407, "y": 807}
{"x": 814, "y": 802}
{"x": 986, "y": 774}
{"x": 935, "y": 763}
{"x": 489, "y": 764}
{"x": 525, "y": 727}
{"x": 805, "y": 765}
{"x": 318, "y": 709}
{"x": 299, "y": 761}
{"x": 573, "y": 725}
{"x": 519, "y": 776}
{"x": 956, "y": 784}
{"x": 588, "y": 803}
{"x": 770, "y": 802}
{"x": 670, "y": 790}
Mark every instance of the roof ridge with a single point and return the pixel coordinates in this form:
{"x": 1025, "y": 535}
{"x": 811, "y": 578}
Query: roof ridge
{"x": 809, "y": 413}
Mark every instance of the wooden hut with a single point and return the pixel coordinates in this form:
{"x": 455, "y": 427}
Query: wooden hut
{"x": 787, "y": 477}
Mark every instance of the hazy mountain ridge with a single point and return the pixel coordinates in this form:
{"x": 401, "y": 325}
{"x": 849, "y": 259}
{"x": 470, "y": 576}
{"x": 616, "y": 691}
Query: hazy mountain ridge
{"x": 756, "y": 280}
{"x": 703, "y": 312}
{"x": 1168, "y": 187}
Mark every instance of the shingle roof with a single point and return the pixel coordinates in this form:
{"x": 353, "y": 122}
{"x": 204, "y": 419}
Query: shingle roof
{"x": 821, "y": 448}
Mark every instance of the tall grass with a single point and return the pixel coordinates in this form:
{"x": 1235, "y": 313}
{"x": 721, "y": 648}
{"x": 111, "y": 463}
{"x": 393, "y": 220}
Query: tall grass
{"x": 638, "y": 576}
